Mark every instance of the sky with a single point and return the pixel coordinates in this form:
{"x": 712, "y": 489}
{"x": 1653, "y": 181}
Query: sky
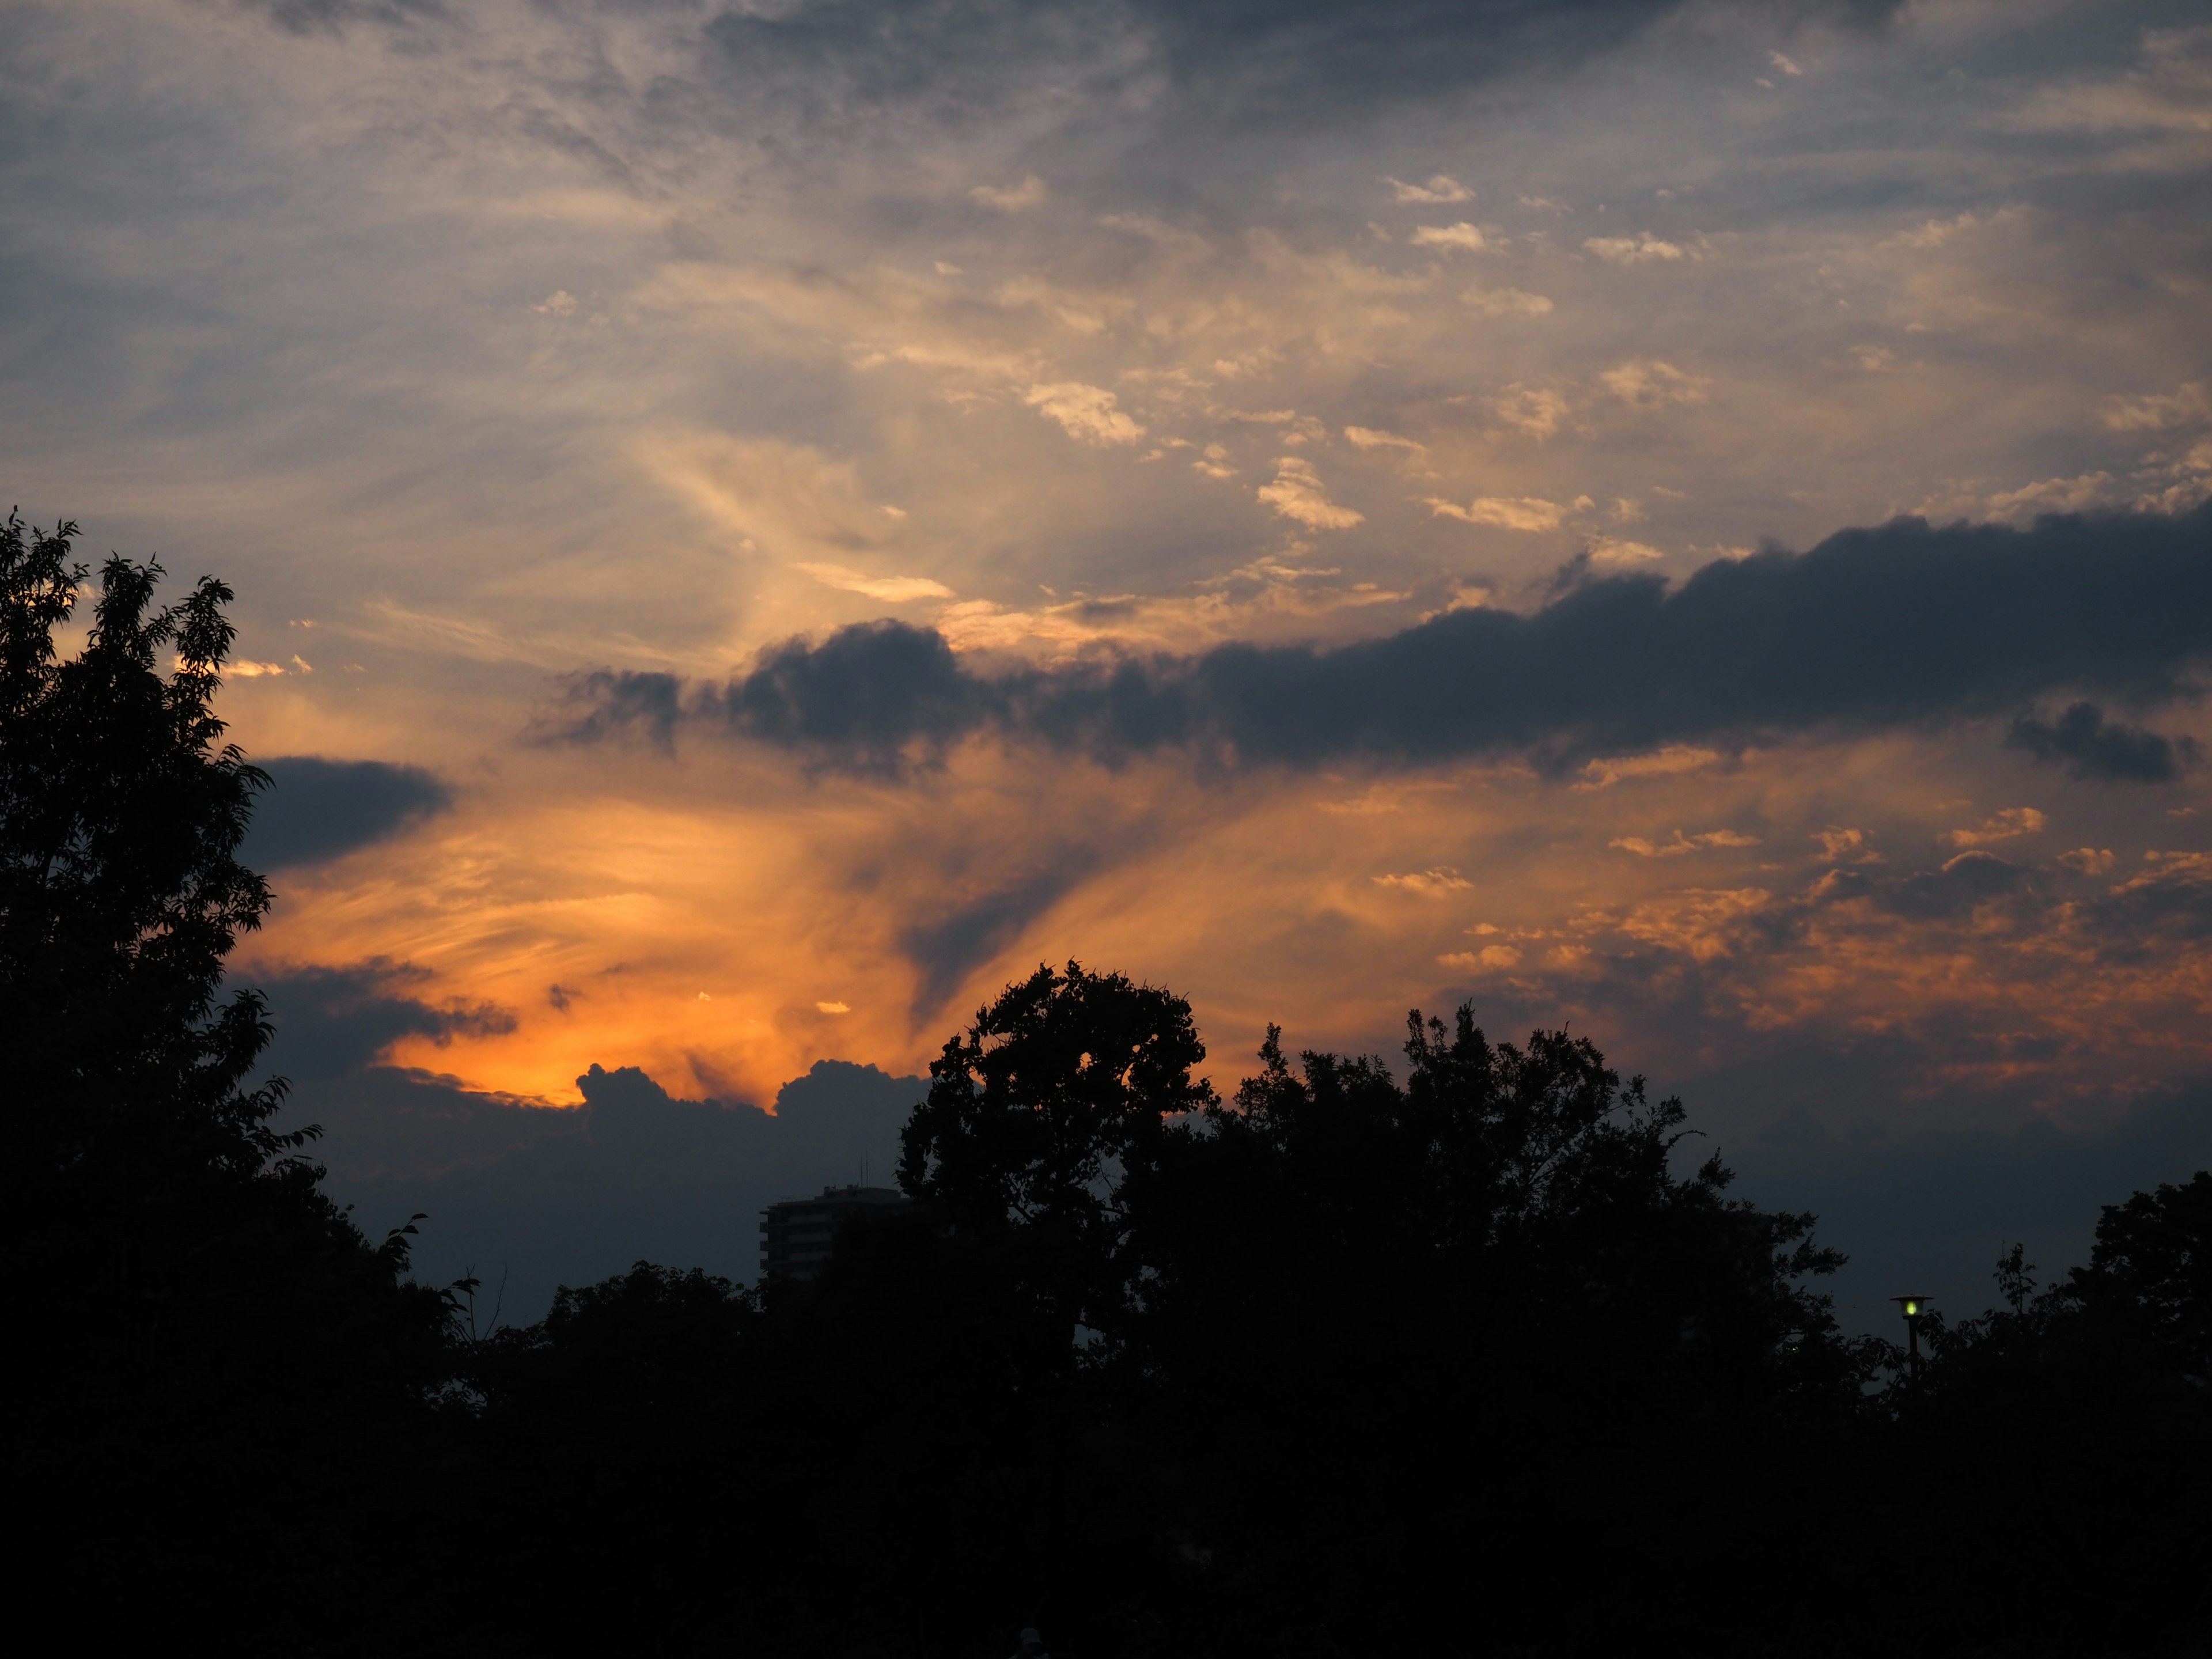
{"x": 755, "y": 524}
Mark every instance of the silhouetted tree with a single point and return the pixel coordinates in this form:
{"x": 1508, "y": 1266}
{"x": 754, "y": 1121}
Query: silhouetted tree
{"x": 1036, "y": 1117}
{"x": 1479, "y": 1304}
{"x": 196, "y": 1299}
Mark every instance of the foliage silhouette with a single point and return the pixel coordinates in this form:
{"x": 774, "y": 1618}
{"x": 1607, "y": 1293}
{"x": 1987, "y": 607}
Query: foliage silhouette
{"x": 2085, "y": 1406}
{"x": 1038, "y": 1117}
{"x": 211, "y": 1326}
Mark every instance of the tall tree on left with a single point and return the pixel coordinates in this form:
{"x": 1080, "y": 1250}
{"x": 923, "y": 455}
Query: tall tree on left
{"x": 191, "y": 1294}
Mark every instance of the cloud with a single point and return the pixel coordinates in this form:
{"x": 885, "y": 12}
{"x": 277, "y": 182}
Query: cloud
{"x": 1463, "y": 236}
{"x": 2158, "y": 412}
{"x": 1362, "y": 437}
{"x": 1490, "y": 956}
{"x": 1011, "y": 199}
{"x": 1934, "y": 233}
{"x": 1298, "y": 493}
{"x": 1650, "y": 384}
{"x": 1615, "y": 550}
{"x": 1966, "y": 881}
{"x": 1506, "y": 302}
{"x": 1429, "y": 884}
{"x": 792, "y": 497}
{"x": 893, "y": 589}
{"x": 2167, "y": 905}
{"x": 318, "y": 810}
{"x": 1840, "y": 844}
{"x": 1665, "y": 763}
{"x": 1440, "y": 189}
{"x": 1680, "y": 843}
{"x": 528, "y": 1197}
{"x": 948, "y": 942}
{"x": 1089, "y": 413}
{"x": 865, "y": 697}
{"x": 1900, "y": 626}
{"x": 2091, "y": 748}
{"x": 1536, "y": 411}
{"x": 332, "y": 1020}
{"x": 1515, "y": 512}
{"x": 2075, "y": 495}
{"x": 2008, "y": 825}
{"x": 1784, "y": 64}
{"x": 1639, "y": 249}
{"x": 331, "y": 17}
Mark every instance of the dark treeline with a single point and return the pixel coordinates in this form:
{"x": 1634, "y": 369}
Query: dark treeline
{"x": 1462, "y": 1356}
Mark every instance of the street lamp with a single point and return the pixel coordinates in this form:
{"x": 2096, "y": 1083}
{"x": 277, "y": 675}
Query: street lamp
{"x": 1912, "y": 1307}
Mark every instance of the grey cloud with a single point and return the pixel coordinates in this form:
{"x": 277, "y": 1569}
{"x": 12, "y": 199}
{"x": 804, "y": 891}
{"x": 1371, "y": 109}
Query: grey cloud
{"x": 865, "y": 698}
{"x": 536, "y": 1196}
{"x": 330, "y": 1021}
{"x": 1967, "y": 880}
{"x": 319, "y": 810}
{"x": 947, "y": 945}
{"x": 2091, "y": 747}
{"x": 329, "y": 17}
{"x": 1234, "y": 59}
{"x": 865, "y": 693}
{"x": 2167, "y": 905}
{"x": 1906, "y": 624}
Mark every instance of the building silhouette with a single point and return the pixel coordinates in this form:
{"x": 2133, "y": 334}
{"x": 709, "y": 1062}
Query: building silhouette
{"x": 799, "y": 1234}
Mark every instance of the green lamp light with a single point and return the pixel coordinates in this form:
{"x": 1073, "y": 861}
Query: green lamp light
{"x": 1912, "y": 1306}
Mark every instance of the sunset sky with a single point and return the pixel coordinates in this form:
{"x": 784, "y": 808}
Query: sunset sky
{"x": 1264, "y": 455}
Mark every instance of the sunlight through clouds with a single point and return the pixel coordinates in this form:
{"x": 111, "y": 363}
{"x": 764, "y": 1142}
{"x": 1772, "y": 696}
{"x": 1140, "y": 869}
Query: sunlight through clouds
{"x": 1012, "y": 382}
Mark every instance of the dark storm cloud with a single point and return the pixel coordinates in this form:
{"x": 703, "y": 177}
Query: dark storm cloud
{"x": 536, "y": 1196}
{"x": 1906, "y": 624}
{"x": 333, "y": 1020}
{"x": 318, "y": 810}
{"x": 2109, "y": 752}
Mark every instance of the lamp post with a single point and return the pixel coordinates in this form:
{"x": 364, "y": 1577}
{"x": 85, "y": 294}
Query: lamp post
{"x": 1912, "y": 1306}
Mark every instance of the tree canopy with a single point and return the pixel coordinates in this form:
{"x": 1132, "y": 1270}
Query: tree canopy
{"x": 199, "y": 1302}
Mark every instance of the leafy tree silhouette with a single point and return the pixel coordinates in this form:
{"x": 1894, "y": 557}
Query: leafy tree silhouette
{"x": 1481, "y": 1305}
{"x": 1036, "y": 1117}
{"x": 211, "y": 1327}
{"x": 2084, "y": 1410}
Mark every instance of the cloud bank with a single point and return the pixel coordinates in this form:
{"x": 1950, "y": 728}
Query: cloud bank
{"x": 1906, "y": 624}
{"x": 317, "y": 809}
